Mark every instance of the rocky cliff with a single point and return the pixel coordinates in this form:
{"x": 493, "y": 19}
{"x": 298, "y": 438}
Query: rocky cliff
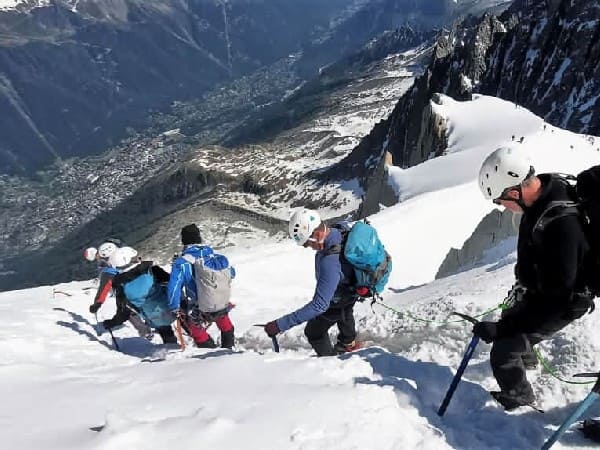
{"x": 496, "y": 230}
{"x": 540, "y": 54}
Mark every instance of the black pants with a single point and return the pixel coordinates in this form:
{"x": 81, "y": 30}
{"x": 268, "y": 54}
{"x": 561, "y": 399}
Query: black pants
{"x": 509, "y": 356}
{"x": 316, "y": 329}
{"x": 167, "y": 335}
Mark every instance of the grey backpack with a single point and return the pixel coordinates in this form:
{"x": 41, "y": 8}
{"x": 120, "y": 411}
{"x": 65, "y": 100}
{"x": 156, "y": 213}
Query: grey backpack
{"x": 213, "y": 281}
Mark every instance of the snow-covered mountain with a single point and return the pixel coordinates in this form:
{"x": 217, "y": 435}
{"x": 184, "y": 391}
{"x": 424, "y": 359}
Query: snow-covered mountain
{"x": 538, "y": 54}
{"x": 64, "y": 387}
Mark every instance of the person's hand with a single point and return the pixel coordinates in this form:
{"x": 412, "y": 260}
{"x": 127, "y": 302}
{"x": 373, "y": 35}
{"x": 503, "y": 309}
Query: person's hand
{"x": 272, "y": 329}
{"x": 94, "y": 307}
{"x": 487, "y": 331}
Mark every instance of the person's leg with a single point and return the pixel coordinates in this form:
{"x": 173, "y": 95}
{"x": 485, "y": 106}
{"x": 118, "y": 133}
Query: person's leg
{"x": 227, "y": 331}
{"x": 167, "y": 335}
{"x": 142, "y": 328}
{"x": 530, "y": 361}
{"x": 199, "y": 335}
{"x": 347, "y": 325}
{"x": 316, "y": 332}
{"x": 506, "y": 359}
{"x": 121, "y": 315}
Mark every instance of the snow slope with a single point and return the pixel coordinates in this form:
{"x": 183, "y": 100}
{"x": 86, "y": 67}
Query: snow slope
{"x": 59, "y": 381}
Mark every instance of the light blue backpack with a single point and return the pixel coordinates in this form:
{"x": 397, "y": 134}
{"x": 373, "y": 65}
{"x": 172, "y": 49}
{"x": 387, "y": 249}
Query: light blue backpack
{"x": 149, "y": 298}
{"x": 365, "y": 252}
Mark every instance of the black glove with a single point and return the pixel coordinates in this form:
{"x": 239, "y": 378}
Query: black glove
{"x": 487, "y": 331}
{"x": 94, "y": 307}
{"x": 272, "y": 329}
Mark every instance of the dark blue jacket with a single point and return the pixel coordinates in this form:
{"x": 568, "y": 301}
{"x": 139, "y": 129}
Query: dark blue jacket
{"x": 331, "y": 274}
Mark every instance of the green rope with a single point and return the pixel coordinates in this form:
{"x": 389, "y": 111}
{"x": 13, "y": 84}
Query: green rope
{"x": 553, "y": 373}
{"x": 502, "y": 305}
{"x": 434, "y": 322}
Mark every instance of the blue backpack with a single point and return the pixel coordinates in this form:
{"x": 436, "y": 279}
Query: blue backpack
{"x": 363, "y": 250}
{"x": 149, "y": 298}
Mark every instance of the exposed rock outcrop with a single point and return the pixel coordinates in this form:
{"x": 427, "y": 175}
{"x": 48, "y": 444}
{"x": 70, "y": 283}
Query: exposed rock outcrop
{"x": 496, "y": 230}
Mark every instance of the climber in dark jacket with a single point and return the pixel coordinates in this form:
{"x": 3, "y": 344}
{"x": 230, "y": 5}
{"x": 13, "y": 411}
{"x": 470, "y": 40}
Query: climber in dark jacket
{"x": 551, "y": 255}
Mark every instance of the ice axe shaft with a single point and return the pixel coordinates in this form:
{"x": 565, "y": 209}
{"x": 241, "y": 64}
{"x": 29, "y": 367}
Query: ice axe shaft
{"x": 458, "y": 376}
{"x": 273, "y": 338}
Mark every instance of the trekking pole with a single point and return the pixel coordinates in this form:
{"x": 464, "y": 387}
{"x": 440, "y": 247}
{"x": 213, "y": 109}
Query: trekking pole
{"x": 273, "y": 338}
{"x": 461, "y": 368}
{"x": 180, "y": 334}
{"x": 575, "y": 415}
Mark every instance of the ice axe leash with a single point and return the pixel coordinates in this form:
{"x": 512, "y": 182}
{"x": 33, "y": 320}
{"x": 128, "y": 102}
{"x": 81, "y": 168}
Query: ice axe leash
{"x": 180, "y": 333}
{"x": 461, "y": 369}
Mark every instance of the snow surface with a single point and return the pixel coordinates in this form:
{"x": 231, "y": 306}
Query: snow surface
{"x": 8, "y": 4}
{"x": 59, "y": 381}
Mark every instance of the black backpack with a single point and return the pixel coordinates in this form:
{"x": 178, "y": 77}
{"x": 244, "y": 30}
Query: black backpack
{"x": 585, "y": 193}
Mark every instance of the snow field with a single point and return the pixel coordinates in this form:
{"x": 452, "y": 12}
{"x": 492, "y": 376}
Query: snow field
{"x": 59, "y": 381}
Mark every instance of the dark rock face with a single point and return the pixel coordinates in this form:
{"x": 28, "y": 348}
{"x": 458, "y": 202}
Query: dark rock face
{"x": 548, "y": 61}
{"x": 541, "y": 54}
{"x": 71, "y": 82}
{"x": 497, "y": 230}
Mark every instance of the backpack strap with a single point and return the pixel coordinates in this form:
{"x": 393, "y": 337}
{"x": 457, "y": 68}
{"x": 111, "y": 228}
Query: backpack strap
{"x": 338, "y": 248}
{"x": 556, "y": 210}
{"x": 189, "y": 258}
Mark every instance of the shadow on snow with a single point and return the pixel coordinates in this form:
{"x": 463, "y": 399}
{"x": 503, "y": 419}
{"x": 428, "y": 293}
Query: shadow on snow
{"x": 473, "y": 420}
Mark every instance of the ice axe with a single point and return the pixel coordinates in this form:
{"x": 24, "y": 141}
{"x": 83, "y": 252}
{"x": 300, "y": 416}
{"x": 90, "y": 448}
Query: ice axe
{"x": 112, "y": 336}
{"x": 463, "y": 365}
{"x": 273, "y": 338}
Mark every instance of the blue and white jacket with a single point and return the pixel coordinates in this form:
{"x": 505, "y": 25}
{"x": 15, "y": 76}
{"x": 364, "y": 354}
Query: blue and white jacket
{"x": 330, "y": 274}
{"x": 182, "y": 274}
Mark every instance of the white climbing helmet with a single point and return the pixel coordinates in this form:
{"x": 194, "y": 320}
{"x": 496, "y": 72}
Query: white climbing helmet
{"x": 132, "y": 251}
{"x": 503, "y": 168}
{"x": 121, "y": 257}
{"x": 302, "y": 224}
{"x": 90, "y": 253}
{"x": 107, "y": 249}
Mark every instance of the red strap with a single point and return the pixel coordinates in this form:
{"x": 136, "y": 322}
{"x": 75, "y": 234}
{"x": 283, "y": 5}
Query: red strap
{"x": 104, "y": 293}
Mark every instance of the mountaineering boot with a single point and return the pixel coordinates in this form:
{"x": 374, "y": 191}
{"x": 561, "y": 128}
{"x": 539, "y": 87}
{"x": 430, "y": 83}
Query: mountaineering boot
{"x": 227, "y": 339}
{"x": 209, "y": 343}
{"x": 345, "y": 348}
{"x": 512, "y": 400}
